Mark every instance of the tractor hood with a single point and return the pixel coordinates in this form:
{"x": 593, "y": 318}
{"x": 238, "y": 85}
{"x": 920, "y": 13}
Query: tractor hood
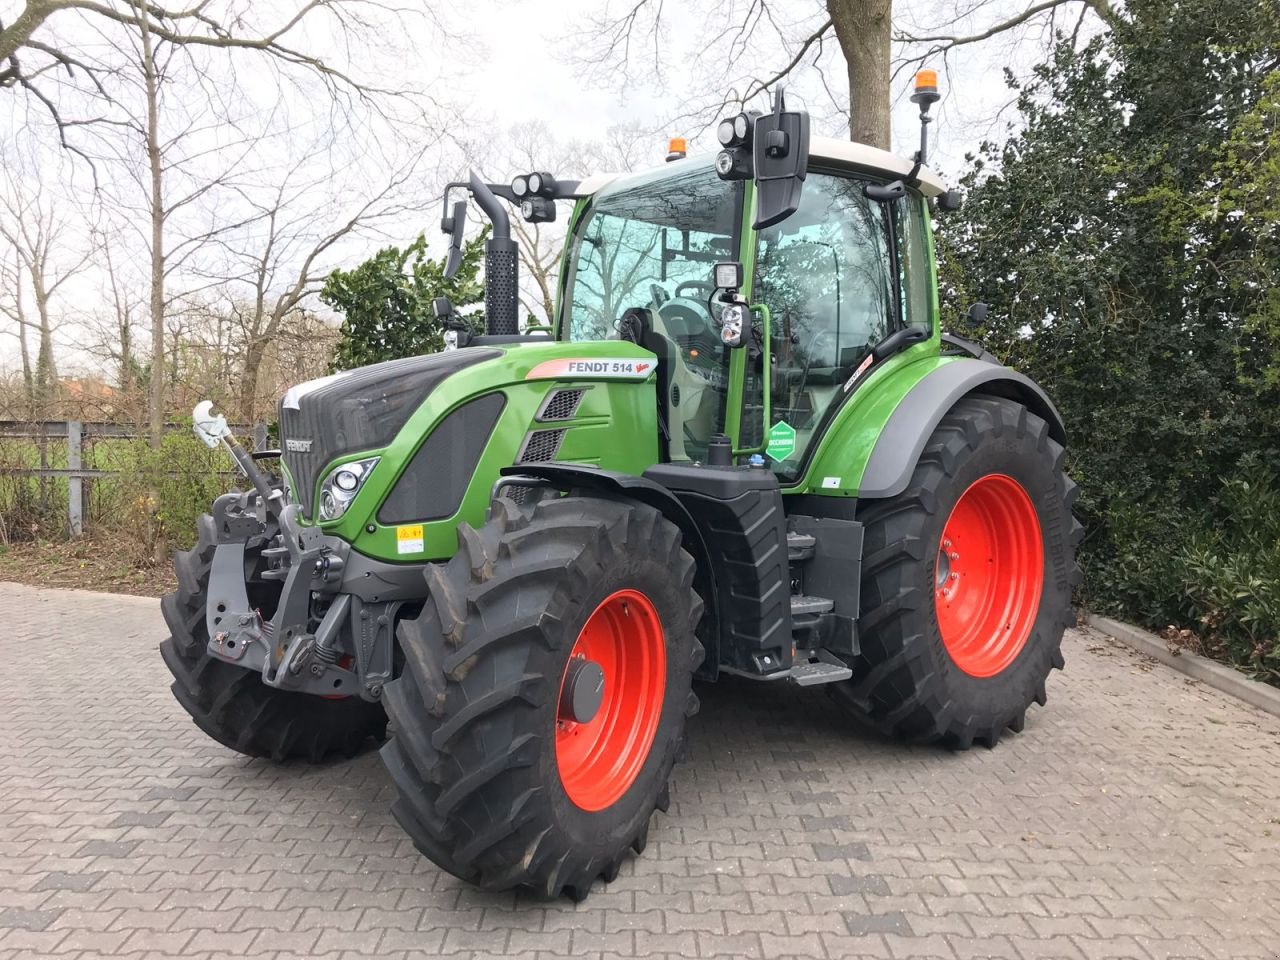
{"x": 324, "y": 419}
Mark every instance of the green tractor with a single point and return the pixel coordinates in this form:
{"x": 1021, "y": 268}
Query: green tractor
{"x": 743, "y": 447}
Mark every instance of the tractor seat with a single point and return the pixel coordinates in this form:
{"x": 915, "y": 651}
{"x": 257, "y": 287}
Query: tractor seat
{"x": 636, "y": 326}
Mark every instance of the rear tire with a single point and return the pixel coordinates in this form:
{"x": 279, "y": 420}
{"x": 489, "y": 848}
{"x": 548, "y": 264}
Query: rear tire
{"x": 493, "y": 786}
{"x": 231, "y": 704}
{"x": 962, "y": 668}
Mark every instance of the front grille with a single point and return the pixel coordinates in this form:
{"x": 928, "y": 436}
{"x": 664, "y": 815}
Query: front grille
{"x": 436, "y": 479}
{"x": 560, "y": 405}
{"x": 359, "y": 410}
{"x": 540, "y": 446}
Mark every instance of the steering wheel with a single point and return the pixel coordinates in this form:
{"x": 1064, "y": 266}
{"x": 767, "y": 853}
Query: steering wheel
{"x": 704, "y": 288}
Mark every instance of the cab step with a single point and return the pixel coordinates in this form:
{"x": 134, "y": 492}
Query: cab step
{"x": 800, "y": 547}
{"x": 803, "y": 606}
{"x": 821, "y": 669}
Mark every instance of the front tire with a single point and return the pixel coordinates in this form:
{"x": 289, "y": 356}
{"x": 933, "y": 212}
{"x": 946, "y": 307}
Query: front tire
{"x": 966, "y": 581}
{"x": 544, "y": 695}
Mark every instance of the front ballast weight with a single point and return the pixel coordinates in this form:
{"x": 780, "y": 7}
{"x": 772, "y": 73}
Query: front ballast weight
{"x": 300, "y": 642}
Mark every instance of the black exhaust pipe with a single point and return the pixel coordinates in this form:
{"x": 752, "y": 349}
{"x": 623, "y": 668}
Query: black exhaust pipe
{"x": 501, "y": 266}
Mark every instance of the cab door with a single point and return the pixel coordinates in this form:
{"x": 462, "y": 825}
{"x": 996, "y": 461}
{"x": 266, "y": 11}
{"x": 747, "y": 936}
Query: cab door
{"x": 833, "y": 278}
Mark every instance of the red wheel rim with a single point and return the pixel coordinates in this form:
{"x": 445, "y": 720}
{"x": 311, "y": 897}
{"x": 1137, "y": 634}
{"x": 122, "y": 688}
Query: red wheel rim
{"x": 989, "y": 575}
{"x": 599, "y": 759}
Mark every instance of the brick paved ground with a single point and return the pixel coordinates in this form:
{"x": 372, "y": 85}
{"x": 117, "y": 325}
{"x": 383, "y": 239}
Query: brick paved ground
{"x": 1138, "y": 816}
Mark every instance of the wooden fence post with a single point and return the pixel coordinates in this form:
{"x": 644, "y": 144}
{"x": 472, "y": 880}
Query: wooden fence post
{"x": 75, "y": 483}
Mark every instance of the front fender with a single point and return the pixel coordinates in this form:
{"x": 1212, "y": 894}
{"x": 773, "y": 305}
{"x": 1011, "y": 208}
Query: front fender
{"x": 569, "y": 476}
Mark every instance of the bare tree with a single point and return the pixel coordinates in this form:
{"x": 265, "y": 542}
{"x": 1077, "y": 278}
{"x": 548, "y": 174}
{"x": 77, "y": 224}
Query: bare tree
{"x": 39, "y": 65}
{"x": 186, "y": 159}
{"x": 36, "y": 262}
{"x": 750, "y": 46}
{"x": 287, "y": 249}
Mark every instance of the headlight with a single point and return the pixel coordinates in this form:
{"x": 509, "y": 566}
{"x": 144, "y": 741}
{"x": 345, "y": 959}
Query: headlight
{"x": 341, "y": 485}
{"x": 732, "y": 320}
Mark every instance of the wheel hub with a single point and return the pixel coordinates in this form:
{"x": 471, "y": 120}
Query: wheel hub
{"x": 989, "y": 575}
{"x": 611, "y": 697}
{"x": 583, "y": 690}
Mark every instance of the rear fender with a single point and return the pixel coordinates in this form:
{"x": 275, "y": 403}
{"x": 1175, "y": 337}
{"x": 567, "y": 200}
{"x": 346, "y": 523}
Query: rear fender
{"x": 902, "y": 440}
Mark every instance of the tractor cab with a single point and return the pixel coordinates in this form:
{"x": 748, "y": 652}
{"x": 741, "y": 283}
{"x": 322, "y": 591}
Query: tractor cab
{"x": 841, "y": 282}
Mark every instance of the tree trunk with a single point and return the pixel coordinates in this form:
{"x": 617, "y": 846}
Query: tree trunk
{"x": 863, "y": 29}
{"x": 249, "y": 381}
{"x": 46, "y": 369}
{"x": 24, "y": 25}
{"x": 28, "y": 375}
{"x": 155, "y": 406}
{"x": 126, "y": 378}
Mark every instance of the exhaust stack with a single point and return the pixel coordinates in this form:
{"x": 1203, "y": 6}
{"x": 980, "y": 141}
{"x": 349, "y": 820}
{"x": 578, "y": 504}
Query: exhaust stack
{"x": 501, "y": 266}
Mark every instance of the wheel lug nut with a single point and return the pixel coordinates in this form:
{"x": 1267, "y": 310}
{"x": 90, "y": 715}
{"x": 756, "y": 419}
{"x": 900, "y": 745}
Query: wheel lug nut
{"x": 946, "y": 543}
{"x": 955, "y": 556}
{"x": 955, "y": 576}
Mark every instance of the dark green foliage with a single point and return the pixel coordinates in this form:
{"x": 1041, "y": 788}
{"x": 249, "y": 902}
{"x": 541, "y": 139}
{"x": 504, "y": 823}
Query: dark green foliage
{"x": 160, "y": 493}
{"x": 1231, "y": 574}
{"x": 386, "y": 302}
{"x": 1126, "y": 239}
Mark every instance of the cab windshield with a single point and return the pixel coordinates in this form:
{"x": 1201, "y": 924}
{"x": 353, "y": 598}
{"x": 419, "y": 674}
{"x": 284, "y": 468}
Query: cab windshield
{"x": 650, "y": 243}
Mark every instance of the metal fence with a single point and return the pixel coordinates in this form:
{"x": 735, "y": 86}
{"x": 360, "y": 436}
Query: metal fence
{"x": 75, "y": 433}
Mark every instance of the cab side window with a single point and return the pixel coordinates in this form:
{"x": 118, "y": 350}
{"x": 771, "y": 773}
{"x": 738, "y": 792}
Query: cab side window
{"x": 917, "y": 265}
{"x": 826, "y": 275}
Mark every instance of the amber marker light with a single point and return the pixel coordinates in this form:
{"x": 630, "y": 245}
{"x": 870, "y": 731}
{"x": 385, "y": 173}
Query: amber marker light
{"x": 926, "y": 88}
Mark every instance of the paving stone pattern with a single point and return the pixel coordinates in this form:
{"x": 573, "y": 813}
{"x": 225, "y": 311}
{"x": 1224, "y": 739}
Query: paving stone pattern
{"x": 1138, "y": 816}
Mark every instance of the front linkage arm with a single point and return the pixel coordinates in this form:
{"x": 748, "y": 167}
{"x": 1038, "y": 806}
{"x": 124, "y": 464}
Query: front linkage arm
{"x": 284, "y": 649}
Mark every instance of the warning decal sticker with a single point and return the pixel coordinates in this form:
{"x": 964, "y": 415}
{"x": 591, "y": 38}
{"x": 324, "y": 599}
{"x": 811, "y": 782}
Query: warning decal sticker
{"x": 409, "y": 539}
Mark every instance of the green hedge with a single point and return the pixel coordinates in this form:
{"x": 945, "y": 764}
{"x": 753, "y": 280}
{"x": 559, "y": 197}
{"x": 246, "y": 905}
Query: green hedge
{"x": 148, "y": 506}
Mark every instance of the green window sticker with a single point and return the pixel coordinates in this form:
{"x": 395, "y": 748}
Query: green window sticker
{"x": 782, "y": 441}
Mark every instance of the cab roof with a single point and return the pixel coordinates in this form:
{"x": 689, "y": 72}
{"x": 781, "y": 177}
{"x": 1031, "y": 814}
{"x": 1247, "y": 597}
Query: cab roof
{"x": 841, "y": 152}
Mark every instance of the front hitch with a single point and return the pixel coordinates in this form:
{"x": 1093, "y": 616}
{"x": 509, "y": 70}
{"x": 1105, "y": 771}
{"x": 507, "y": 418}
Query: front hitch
{"x": 282, "y": 648}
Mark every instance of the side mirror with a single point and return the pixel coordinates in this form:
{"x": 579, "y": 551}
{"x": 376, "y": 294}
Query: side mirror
{"x": 453, "y": 225}
{"x": 781, "y": 161}
{"x": 951, "y": 201}
{"x": 978, "y": 314}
